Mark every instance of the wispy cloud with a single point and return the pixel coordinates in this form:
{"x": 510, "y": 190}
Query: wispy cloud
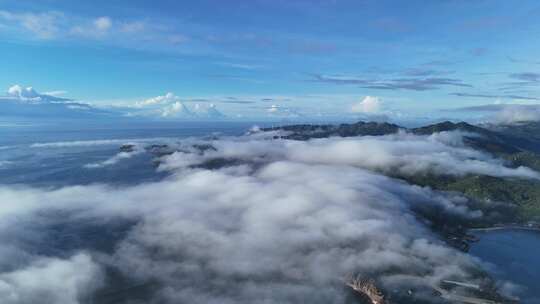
{"x": 56, "y": 93}
{"x": 526, "y": 76}
{"x": 237, "y": 78}
{"x": 521, "y": 80}
{"x": 236, "y": 101}
{"x": 57, "y": 25}
{"x": 242, "y": 66}
{"x": 45, "y": 25}
{"x": 415, "y": 84}
{"x": 518, "y": 60}
{"x": 423, "y": 72}
{"x": 493, "y": 96}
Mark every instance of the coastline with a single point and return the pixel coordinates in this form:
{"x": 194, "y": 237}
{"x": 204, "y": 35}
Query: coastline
{"x": 512, "y": 250}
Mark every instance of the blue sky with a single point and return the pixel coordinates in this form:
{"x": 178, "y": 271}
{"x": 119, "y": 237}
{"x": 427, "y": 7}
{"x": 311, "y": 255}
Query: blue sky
{"x": 307, "y": 57}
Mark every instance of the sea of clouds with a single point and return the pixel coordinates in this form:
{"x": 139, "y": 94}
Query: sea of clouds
{"x": 273, "y": 221}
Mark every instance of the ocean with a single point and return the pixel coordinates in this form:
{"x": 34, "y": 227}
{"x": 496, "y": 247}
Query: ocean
{"x": 512, "y": 256}
{"x": 53, "y": 155}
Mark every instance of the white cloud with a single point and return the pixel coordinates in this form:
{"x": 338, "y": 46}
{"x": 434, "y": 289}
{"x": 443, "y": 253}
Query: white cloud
{"x": 408, "y": 154}
{"x": 136, "y": 150}
{"x": 289, "y": 231}
{"x": 64, "y": 26}
{"x": 159, "y": 100}
{"x": 19, "y": 101}
{"x": 43, "y": 25}
{"x": 208, "y": 110}
{"x": 176, "y": 109}
{"x": 29, "y": 94}
{"x": 284, "y": 223}
{"x": 171, "y": 106}
{"x": 51, "y": 280}
{"x": 19, "y": 92}
{"x": 368, "y": 105}
{"x": 97, "y": 28}
{"x": 103, "y": 23}
{"x": 56, "y": 93}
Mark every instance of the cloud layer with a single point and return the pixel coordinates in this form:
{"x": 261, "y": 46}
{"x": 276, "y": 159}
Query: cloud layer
{"x": 408, "y": 154}
{"x": 274, "y": 221}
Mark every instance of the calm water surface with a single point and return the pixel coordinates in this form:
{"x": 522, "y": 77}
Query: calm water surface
{"x": 514, "y": 256}
{"x": 55, "y": 155}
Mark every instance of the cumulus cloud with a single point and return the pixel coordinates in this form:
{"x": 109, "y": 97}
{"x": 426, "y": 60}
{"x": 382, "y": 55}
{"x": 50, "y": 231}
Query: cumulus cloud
{"x": 19, "y": 92}
{"x": 207, "y": 110}
{"x": 29, "y": 94}
{"x": 176, "y": 109}
{"x": 159, "y": 100}
{"x": 171, "y": 106}
{"x": 280, "y": 222}
{"x": 27, "y": 102}
{"x": 368, "y": 105}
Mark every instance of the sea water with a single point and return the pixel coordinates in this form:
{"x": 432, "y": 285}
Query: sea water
{"x": 55, "y": 155}
{"x": 512, "y": 255}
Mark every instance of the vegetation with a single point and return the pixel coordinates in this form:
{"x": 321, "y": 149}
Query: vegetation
{"x": 308, "y": 131}
{"x": 501, "y": 199}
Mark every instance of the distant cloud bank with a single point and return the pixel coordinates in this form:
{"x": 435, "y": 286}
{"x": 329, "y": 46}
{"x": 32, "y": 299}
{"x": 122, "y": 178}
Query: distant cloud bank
{"x": 506, "y": 113}
{"x": 171, "y": 106}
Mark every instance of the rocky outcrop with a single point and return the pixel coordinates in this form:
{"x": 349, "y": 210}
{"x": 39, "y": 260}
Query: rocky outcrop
{"x": 366, "y": 287}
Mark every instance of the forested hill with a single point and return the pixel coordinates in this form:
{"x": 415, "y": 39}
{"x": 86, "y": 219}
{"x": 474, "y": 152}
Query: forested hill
{"x": 518, "y": 145}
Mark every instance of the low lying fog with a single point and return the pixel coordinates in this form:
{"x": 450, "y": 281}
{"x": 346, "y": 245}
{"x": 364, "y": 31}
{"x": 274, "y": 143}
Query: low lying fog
{"x": 285, "y": 222}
